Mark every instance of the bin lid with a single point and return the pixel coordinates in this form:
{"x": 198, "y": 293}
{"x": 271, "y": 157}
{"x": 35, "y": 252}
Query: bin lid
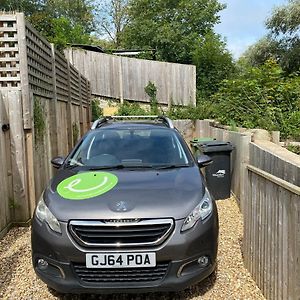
{"x": 199, "y": 141}
{"x": 215, "y": 146}
{"x": 203, "y": 139}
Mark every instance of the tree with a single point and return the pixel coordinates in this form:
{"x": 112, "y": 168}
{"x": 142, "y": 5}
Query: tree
{"x": 112, "y": 18}
{"x": 61, "y": 21}
{"x": 213, "y": 63}
{"x": 282, "y": 42}
{"x": 265, "y": 49}
{"x": 28, "y": 6}
{"x": 170, "y": 26}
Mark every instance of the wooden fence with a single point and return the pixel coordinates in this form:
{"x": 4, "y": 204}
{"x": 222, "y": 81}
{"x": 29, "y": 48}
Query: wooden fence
{"x": 272, "y": 221}
{"x": 126, "y": 78}
{"x": 266, "y": 181}
{"x": 44, "y": 108}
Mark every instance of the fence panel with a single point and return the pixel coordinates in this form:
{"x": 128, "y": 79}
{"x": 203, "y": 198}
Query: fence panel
{"x": 126, "y": 78}
{"x": 272, "y": 221}
{"x": 61, "y": 76}
{"x": 39, "y": 59}
{"x": 30, "y": 71}
{"x": 9, "y": 54}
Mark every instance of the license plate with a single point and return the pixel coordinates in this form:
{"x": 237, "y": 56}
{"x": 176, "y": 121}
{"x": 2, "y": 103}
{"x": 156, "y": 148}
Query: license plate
{"x": 120, "y": 260}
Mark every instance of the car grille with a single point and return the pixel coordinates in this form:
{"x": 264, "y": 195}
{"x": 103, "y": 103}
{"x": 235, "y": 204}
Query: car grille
{"x": 121, "y": 233}
{"x": 121, "y": 275}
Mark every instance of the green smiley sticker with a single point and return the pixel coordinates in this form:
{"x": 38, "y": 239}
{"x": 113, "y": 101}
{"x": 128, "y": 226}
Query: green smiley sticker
{"x": 86, "y": 185}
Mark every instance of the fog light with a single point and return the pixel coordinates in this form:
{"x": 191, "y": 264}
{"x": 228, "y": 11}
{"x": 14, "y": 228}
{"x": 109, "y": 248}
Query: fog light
{"x": 203, "y": 261}
{"x": 42, "y": 264}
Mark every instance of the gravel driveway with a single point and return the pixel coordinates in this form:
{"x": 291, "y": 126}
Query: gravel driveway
{"x": 230, "y": 281}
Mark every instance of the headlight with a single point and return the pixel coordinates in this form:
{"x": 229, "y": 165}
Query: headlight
{"x": 43, "y": 213}
{"x": 201, "y": 211}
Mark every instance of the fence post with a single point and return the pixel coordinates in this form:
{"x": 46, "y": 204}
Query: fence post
{"x": 69, "y": 111}
{"x": 53, "y": 110}
{"x": 26, "y": 103}
{"x": 27, "y": 116}
{"x": 81, "y": 107}
{"x": 30, "y": 168}
{"x": 121, "y": 80}
{"x": 244, "y": 144}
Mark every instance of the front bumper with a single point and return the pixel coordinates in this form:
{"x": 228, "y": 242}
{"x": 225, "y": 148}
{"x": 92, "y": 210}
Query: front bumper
{"x": 180, "y": 251}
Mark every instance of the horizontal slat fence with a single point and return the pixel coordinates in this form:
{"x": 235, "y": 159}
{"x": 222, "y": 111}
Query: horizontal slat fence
{"x": 266, "y": 180}
{"x": 126, "y": 78}
{"x": 33, "y": 73}
{"x": 272, "y": 221}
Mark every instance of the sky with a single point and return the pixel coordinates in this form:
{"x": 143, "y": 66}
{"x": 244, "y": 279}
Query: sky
{"x": 242, "y": 22}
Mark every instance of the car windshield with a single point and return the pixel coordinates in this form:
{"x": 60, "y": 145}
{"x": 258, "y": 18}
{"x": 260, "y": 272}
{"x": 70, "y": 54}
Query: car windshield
{"x": 154, "y": 147}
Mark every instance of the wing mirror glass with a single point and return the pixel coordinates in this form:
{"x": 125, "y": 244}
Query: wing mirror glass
{"x": 57, "y": 162}
{"x": 204, "y": 160}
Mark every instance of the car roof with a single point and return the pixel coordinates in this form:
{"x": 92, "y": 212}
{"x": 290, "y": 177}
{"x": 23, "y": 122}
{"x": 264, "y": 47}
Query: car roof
{"x": 132, "y": 125}
{"x": 133, "y": 121}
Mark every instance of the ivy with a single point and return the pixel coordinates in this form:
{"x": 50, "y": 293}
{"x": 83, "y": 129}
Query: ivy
{"x": 39, "y": 119}
{"x": 151, "y": 91}
{"x": 96, "y": 110}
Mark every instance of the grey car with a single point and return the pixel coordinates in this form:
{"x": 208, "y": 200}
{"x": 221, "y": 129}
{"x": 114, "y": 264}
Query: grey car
{"x": 127, "y": 211}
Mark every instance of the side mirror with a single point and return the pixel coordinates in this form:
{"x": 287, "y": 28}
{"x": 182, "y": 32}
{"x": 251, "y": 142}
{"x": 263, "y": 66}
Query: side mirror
{"x": 57, "y": 162}
{"x": 204, "y": 160}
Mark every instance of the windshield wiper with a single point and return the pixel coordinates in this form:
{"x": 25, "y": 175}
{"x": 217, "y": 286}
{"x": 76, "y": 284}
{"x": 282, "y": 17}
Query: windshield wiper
{"x": 106, "y": 167}
{"x": 171, "y": 166}
{"x": 121, "y": 166}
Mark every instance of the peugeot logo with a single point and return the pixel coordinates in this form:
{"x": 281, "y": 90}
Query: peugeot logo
{"x": 121, "y": 206}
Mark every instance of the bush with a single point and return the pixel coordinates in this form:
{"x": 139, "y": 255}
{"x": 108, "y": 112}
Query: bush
{"x": 261, "y": 97}
{"x": 132, "y": 109}
{"x": 96, "y": 110}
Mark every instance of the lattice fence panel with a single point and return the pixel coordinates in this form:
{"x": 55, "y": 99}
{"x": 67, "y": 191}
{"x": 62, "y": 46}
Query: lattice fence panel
{"x": 9, "y": 54}
{"x": 39, "y": 56}
{"x": 61, "y": 77}
{"x": 84, "y": 89}
{"x": 74, "y": 85}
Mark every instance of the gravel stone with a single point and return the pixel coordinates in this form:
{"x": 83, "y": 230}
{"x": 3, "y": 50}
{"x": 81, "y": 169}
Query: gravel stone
{"x": 230, "y": 281}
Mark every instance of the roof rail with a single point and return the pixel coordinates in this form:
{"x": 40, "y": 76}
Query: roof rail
{"x": 167, "y": 121}
{"x": 98, "y": 122}
{"x": 103, "y": 120}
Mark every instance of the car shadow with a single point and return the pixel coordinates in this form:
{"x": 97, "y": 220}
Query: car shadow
{"x": 196, "y": 290}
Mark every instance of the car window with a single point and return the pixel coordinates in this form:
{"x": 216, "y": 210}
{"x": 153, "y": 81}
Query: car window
{"x": 136, "y": 147}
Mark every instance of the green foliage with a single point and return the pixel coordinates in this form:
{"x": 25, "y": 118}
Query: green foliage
{"x": 257, "y": 54}
{"x": 171, "y": 27}
{"x": 132, "y": 109}
{"x": 282, "y": 41}
{"x": 29, "y": 6}
{"x": 151, "y": 91}
{"x": 295, "y": 149}
{"x": 60, "y": 21}
{"x": 13, "y": 204}
{"x": 96, "y": 110}
{"x": 39, "y": 120}
{"x": 261, "y": 97}
{"x": 213, "y": 63}
{"x": 285, "y": 19}
{"x": 203, "y": 110}
{"x": 64, "y": 32}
